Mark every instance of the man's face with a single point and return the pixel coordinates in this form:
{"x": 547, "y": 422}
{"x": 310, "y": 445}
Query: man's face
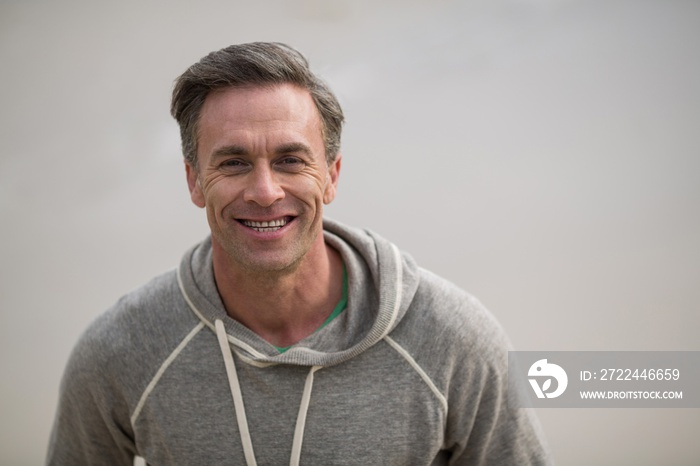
{"x": 262, "y": 175}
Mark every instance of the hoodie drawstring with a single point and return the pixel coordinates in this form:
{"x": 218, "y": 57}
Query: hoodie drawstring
{"x": 236, "y": 393}
{"x": 239, "y": 406}
{"x": 301, "y": 418}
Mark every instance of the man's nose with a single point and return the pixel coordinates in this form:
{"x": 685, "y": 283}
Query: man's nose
{"x": 263, "y": 188}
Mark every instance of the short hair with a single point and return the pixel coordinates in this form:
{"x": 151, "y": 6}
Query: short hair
{"x": 256, "y": 64}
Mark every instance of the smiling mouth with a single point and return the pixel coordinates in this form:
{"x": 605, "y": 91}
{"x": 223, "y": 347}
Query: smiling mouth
{"x": 267, "y": 226}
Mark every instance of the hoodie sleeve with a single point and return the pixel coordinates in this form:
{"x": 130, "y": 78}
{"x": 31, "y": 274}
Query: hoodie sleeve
{"x": 484, "y": 427}
{"x": 487, "y": 431}
{"x": 92, "y": 425}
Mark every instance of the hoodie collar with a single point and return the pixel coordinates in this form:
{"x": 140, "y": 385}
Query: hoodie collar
{"x": 381, "y": 285}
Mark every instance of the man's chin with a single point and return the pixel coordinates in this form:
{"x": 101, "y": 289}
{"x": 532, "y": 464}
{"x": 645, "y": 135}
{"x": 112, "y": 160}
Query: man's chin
{"x": 269, "y": 267}
{"x": 258, "y": 260}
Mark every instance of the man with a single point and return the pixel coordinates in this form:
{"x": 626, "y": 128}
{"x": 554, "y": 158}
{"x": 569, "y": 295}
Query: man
{"x": 284, "y": 337}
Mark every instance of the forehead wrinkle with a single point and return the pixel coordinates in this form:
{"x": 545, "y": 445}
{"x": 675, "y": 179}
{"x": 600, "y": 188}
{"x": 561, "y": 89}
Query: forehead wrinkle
{"x": 269, "y": 112}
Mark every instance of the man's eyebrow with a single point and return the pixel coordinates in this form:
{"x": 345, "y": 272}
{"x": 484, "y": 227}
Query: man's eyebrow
{"x": 293, "y": 147}
{"x": 229, "y": 150}
{"x": 288, "y": 148}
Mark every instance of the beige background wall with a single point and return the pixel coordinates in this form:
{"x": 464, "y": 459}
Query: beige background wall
{"x": 542, "y": 154}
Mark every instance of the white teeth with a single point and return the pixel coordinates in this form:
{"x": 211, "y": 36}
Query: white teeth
{"x": 272, "y": 225}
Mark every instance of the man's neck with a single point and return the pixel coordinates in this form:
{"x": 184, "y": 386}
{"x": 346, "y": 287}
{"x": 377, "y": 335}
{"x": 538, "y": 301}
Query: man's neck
{"x": 282, "y": 307}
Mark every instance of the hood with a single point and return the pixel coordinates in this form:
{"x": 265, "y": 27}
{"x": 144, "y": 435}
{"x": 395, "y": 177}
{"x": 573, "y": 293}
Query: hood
{"x": 381, "y": 284}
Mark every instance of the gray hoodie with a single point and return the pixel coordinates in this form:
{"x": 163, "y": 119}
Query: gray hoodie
{"x": 413, "y": 372}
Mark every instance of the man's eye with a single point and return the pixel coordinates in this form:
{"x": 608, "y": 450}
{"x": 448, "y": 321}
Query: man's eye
{"x": 233, "y": 164}
{"x": 291, "y": 164}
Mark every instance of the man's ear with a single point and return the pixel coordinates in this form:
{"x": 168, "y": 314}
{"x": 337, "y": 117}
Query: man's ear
{"x": 332, "y": 184}
{"x": 193, "y": 183}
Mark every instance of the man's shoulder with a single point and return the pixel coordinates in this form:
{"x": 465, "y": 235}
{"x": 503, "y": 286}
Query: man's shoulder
{"x": 137, "y": 308}
{"x": 450, "y": 320}
{"x": 450, "y": 304}
{"x": 137, "y": 330}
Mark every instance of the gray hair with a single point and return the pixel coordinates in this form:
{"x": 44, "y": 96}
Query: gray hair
{"x": 257, "y": 63}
